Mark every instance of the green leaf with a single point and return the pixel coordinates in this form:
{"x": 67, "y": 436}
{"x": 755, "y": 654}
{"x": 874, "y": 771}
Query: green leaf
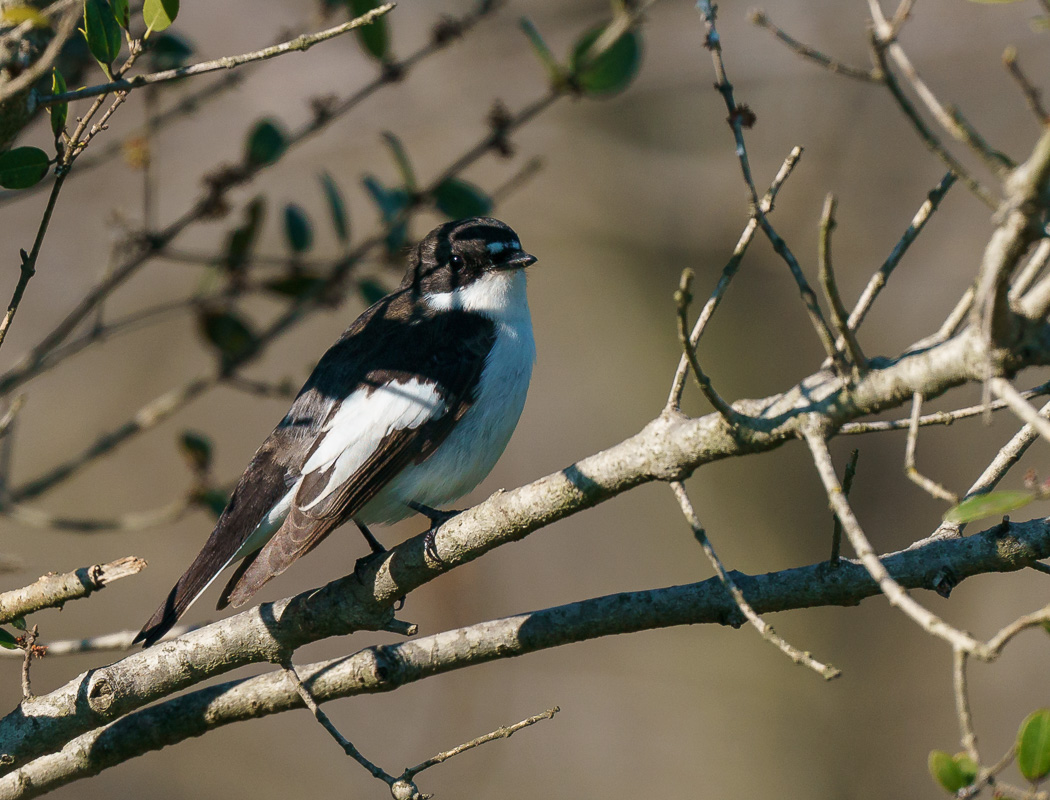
{"x": 989, "y": 505}
{"x": 1040, "y": 23}
{"x": 946, "y": 771}
{"x": 7, "y": 640}
{"x": 337, "y": 207}
{"x": 241, "y": 240}
{"x": 197, "y": 449}
{"x": 457, "y": 199}
{"x": 296, "y": 285}
{"x": 374, "y": 37}
{"x": 21, "y": 167}
{"x": 404, "y": 166}
{"x": 102, "y": 33}
{"x": 266, "y": 143}
{"x": 169, "y": 51}
{"x": 554, "y": 70}
{"x": 159, "y": 14}
{"x": 214, "y": 500}
{"x": 391, "y": 202}
{"x": 1033, "y": 745}
{"x": 19, "y": 622}
{"x": 58, "y": 111}
{"x": 122, "y": 13}
{"x": 229, "y": 333}
{"x": 372, "y": 291}
{"x": 16, "y": 15}
{"x": 297, "y": 230}
{"x": 608, "y": 72}
{"x": 967, "y": 768}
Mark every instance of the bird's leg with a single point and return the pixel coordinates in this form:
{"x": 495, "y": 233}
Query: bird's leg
{"x": 374, "y": 543}
{"x": 437, "y": 518}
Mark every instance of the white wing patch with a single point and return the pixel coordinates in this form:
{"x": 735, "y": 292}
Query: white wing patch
{"x": 362, "y": 421}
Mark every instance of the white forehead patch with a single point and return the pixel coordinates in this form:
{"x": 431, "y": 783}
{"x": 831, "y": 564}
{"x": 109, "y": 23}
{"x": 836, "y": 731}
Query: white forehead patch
{"x": 499, "y": 247}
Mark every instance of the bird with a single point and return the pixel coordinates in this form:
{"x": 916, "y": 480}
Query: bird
{"x": 408, "y": 411}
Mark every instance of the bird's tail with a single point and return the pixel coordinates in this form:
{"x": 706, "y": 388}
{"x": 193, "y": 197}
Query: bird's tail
{"x": 190, "y": 586}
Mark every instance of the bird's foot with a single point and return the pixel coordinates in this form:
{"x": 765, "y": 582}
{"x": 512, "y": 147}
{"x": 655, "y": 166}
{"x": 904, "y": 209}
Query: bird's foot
{"x": 437, "y": 518}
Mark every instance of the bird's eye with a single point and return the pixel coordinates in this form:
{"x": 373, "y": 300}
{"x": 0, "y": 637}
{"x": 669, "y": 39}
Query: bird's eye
{"x": 456, "y": 261}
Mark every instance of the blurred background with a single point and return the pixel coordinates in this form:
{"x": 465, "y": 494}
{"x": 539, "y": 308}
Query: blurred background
{"x": 633, "y": 189}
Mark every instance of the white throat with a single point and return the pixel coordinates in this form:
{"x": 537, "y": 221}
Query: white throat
{"x": 499, "y": 295}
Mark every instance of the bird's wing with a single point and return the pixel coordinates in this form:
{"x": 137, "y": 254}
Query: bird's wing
{"x": 394, "y": 417}
{"x": 261, "y": 487}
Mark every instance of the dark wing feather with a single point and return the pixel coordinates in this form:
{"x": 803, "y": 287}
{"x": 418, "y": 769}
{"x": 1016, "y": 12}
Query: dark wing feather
{"x": 455, "y": 350}
{"x": 262, "y": 485}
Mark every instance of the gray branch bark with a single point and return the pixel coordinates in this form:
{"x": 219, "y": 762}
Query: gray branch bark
{"x": 937, "y": 565}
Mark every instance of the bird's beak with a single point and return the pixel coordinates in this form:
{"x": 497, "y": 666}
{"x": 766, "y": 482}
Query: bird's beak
{"x": 518, "y": 259}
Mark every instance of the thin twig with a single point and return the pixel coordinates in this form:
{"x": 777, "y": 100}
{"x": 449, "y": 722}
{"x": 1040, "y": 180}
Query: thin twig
{"x": 918, "y": 222}
{"x": 1027, "y": 275}
{"x": 836, "y": 527}
{"x": 134, "y": 521}
{"x": 1013, "y": 398}
{"x": 30, "y": 651}
{"x": 1032, "y": 95}
{"x": 938, "y": 417}
{"x": 857, "y": 362}
{"x": 885, "y": 34}
{"x": 894, "y": 592}
{"x": 328, "y": 725}
{"x": 299, "y": 43}
{"x": 728, "y": 272}
{"x": 109, "y": 642}
{"x": 1008, "y": 455}
{"x": 920, "y": 480}
{"x": 683, "y": 297}
{"x": 962, "y": 704}
{"x": 739, "y": 116}
{"x": 929, "y": 138}
{"x": 758, "y": 17}
{"x": 764, "y": 629}
{"x": 504, "y": 732}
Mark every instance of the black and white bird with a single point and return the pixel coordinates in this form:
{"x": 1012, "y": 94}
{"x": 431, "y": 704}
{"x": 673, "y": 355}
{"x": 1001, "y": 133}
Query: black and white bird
{"x": 409, "y": 410}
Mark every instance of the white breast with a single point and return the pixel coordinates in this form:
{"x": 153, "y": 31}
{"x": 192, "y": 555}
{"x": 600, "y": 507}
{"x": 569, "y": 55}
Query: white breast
{"x": 479, "y": 438}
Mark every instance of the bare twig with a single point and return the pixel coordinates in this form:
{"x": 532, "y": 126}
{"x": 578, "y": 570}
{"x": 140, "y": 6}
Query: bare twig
{"x": 920, "y": 480}
{"x": 56, "y": 590}
{"x": 728, "y": 272}
{"x": 836, "y": 527}
{"x": 764, "y": 629}
{"x": 1028, "y": 274}
{"x": 885, "y": 35}
{"x": 108, "y": 642}
{"x": 134, "y": 521}
{"x": 938, "y": 417}
{"x": 759, "y": 18}
{"x": 894, "y": 592}
{"x": 739, "y": 117}
{"x": 30, "y": 651}
{"x": 504, "y": 732}
{"x": 918, "y": 222}
{"x": 929, "y": 138}
{"x": 328, "y": 725}
{"x": 683, "y": 297}
{"x": 1013, "y": 398}
{"x": 855, "y": 356}
{"x": 962, "y": 704}
{"x": 299, "y": 43}
{"x": 1032, "y": 95}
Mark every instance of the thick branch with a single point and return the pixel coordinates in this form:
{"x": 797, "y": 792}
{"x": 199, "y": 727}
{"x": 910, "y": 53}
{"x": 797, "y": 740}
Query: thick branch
{"x": 388, "y": 667}
{"x": 56, "y": 590}
{"x": 671, "y": 447}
